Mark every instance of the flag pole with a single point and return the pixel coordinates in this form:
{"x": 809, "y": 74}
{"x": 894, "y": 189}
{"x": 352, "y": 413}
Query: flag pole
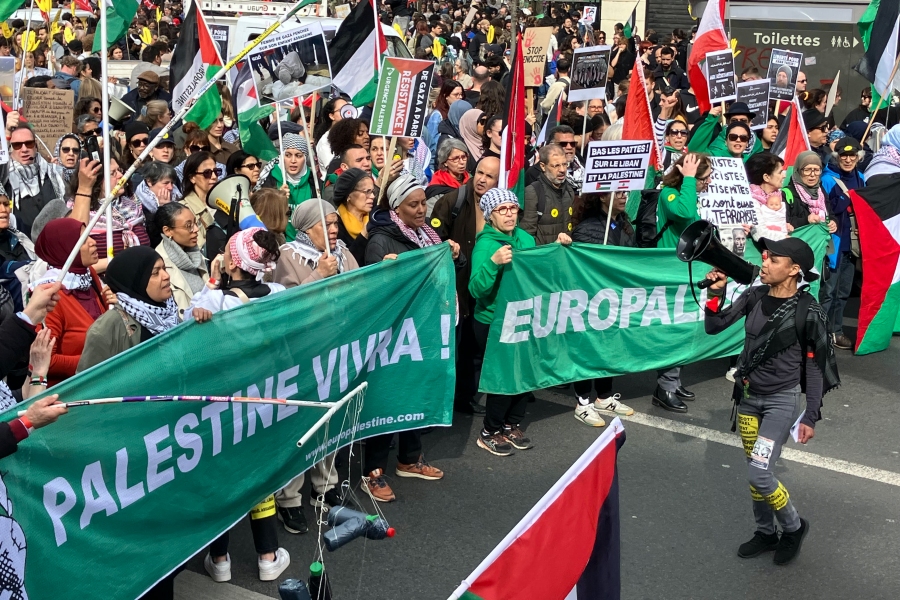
{"x": 313, "y": 171}
{"x": 104, "y": 106}
{"x": 280, "y": 146}
{"x": 24, "y": 52}
{"x": 612, "y": 197}
{"x": 168, "y": 127}
{"x": 880, "y": 98}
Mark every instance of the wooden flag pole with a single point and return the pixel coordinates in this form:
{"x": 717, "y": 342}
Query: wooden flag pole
{"x": 382, "y": 177}
{"x": 313, "y": 169}
{"x": 878, "y": 107}
{"x": 18, "y": 84}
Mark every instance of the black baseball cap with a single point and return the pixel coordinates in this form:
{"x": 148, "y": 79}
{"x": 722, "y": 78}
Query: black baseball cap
{"x": 166, "y": 139}
{"x": 797, "y": 250}
{"x": 847, "y": 145}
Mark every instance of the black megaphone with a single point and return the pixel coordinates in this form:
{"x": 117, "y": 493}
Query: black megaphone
{"x": 700, "y": 241}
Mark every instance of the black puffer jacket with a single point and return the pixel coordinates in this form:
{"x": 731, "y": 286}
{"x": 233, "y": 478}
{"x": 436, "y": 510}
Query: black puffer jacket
{"x": 386, "y": 238}
{"x": 591, "y": 231}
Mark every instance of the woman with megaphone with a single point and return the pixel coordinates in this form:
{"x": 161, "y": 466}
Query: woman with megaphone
{"x": 786, "y": 351}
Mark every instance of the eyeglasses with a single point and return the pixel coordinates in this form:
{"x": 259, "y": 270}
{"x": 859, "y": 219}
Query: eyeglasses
{"x": 68, "y": 150}
{"x": 207, "y": 174}
{"x": 18, "y": 145}
{"x": 192, "y": 226}
{"x": 139, "y": 142}
{"x": 567, "y": 144}
{"x": 460, "y": 158}
{"x": 252, "y": 166}
{"x": 196, "y": 148}
{"x": 704, "y": 179}
{"x": 811, "y": 171}
{"x": 734, "y": 137}
{"x": 679, "y": 132}
{"x": 369, "y": 192}
{"x": 507, "y": 210}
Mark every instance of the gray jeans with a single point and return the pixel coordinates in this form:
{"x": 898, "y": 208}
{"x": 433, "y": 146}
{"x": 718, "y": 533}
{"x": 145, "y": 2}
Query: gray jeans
{"x": 765, "y": 424}
{"x": 669, "y": 379}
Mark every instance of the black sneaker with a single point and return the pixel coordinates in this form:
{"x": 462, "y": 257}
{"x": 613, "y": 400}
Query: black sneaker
{"x": 293, "y": 519}
{"x": 495, "y": 443}
{"x": 789, "y": 545}
{"x": 326, "y": 501}
{"x": 761, "y": 542}
{"x": 516, "y": 437}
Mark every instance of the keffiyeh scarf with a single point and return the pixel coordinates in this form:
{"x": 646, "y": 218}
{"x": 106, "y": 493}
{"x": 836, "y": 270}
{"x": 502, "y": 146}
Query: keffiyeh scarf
{"x": 158, "y": 319}
{"x": 126, "y": 213}
{"x": 304, "y": 251}
{"x": 148, "y": 198}
{"x": 26, "y": 180}
{"x": 422, "y": 237}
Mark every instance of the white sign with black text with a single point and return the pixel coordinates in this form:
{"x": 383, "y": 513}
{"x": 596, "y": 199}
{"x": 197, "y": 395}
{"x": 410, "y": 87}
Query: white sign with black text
{"x": 727, "y": 203}
{"x": 615, "y": 166}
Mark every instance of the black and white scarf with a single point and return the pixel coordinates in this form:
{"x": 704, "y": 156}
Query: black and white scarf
{"x": 158, "y": 319}
{"x": 26, "y": 181}
{"x": 304, "y": 251}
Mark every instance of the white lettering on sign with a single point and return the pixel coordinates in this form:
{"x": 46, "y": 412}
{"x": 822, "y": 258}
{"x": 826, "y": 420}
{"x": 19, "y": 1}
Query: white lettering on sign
{"x": 779, "y": 39}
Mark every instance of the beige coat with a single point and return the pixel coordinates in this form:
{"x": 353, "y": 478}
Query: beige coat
{"x": 291, "y": 270}
{"x": 180, "y": 290}
{"x": 202, "y": 215}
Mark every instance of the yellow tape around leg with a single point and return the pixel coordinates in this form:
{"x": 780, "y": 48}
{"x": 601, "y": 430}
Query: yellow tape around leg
{"x": 779, "y": 498}
{"x": 264, "y": 509}
{"x": 757, "y": 497}
{"x": 748, "y": 425}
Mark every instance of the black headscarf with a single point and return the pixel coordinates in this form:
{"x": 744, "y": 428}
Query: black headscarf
{"x": 130, "y": 272}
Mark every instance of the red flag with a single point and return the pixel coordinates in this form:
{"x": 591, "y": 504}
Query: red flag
{"x": 512, "y": 146}
{"x": 710, "y": 38}
{"x": 84, "y": 5}
{"x": 638, "y": 122}
{"x": 791, "y": 139}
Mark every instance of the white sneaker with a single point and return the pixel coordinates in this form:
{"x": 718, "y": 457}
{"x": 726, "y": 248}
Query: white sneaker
{"x": 612, "y": 406}
{"x": 219, "y": 572}
{"x": 269, "y": 570}
{"x": 729, "y": 375}
{"x": 589, "y": 416}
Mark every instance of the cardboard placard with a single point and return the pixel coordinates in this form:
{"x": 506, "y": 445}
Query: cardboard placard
{"x": 219, "y": 34}
{"x": 49, "y": 112}
{"x": 534, "y": 51}
{"x": 590, "y": 67}
{"x": 616, "y": 166}
{"x": 755, "y": 94}
{"x": 727, "y": 203}
{"x": 784, "y": 67}
{"x": 401, "y": 101}
{"x": 720, "y": 75}
{"x": 342, "y": 11}
{"x": 300, "y": 54}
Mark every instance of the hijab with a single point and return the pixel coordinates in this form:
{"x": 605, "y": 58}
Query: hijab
{"x": 67, "y": 173}
{"x": 303, "y": 249}
{"x": 813, "y": 196}
{"x": 128, "y": 276}
{"x": 468, "y": 129}
{"x": 56, "y": 241}
{"x": 457, "y": 110}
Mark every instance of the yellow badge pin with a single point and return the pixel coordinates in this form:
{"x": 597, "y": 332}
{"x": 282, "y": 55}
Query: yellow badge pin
{"x": 554, "y": 213}
{"x": 435, "y": 222}
{"x": 671, "y": 197}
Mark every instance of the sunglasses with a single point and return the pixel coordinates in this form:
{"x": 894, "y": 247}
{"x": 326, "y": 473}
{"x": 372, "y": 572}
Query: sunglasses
{"x": 207, "y": 174}
{"x": 93, "y": 132}
{"x": 679, "y": 132}
{"x": 734, "y": 137}
{"x": 68, "y": 150}
{"x": 823, "y": 128}
{"x": 567, "y": 144}
{"x": 141, "y": 142}
{"x": 252, "y": 166}
{"x": 18, "y": 145}
{"x": 196, "y": 148}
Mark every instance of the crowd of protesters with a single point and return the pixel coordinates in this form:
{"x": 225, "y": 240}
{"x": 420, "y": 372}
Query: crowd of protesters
{"x": 174, "y": 260}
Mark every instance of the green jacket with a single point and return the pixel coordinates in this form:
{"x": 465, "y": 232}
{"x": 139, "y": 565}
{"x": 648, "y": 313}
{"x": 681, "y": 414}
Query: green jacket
{"x": 679, "y": 208}
{"x": 112, "y": 333}
{"x": 299, "y": 193}
{"x": 706, "y": 140}
{"x": 485, "y": 279}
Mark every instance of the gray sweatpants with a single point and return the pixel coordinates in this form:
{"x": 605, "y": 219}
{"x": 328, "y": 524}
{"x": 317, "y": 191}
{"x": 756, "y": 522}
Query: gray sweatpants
{"x": 324, "y": 478}
{"x": 765, "y": 424}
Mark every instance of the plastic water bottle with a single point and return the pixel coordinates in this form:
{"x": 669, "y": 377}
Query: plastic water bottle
{"x": 319, "y": 588}
{"x": 293, "y": 589}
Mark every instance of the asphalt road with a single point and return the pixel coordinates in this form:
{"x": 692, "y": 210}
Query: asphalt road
{"x": 685, "y": 505}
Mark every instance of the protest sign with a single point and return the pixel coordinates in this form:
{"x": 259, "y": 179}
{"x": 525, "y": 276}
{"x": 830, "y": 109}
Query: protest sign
{"x": 727, "y": 202}
{"x": 784, "y": 67}
{"x": 755, "y": 94}
{"x": 616, "y": 166}
{"x": 109, "y": 486}
{"x": 832, "y": 94}
{"x": 589, "y": 16}
{"x": 290, "y": 64}
{"x": 4, "y": 149}
{"x": 342, "y": 11}
{"x": 535, "y": 43}
{"x": 590, "y": 66}
{"x": 49, "y": 112}
{"x": 720, "y": 74}
{"x": 402, "y": 97}
{"x": 219, "y": 34}
{"x": 7, "y": 78}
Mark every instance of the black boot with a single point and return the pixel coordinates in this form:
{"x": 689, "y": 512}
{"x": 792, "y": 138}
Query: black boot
{"x": 761, "y": 542}
{"x": 789, "y": 545}
{"x": 668, "y": 401}
{"x": 684, "y": 394}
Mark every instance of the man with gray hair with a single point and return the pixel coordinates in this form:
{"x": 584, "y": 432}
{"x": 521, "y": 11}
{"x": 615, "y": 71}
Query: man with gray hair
{"x": 549, "y": 200}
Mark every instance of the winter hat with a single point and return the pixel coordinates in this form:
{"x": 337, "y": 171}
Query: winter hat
{"x": 346, "y": 183}
{"x": 494, "y": 198}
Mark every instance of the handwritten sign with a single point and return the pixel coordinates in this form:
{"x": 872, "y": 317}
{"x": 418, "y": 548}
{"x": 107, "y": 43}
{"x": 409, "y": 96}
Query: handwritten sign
{"x": 616, "y": 166}
{"x": 727, "y": 203}
{"x": 534, "y": 51}
{"x": 49, "y": 112}
{"x": 590, "y": 66}
{"x": 720, "y": 75}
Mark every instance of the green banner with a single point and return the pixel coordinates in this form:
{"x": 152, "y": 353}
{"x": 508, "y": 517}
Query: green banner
{"x": 602, "y": 311}
{"x": 112, "y": 498}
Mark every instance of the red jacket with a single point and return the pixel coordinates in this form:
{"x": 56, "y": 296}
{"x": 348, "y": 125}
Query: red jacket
{"x": 69, "y": 323}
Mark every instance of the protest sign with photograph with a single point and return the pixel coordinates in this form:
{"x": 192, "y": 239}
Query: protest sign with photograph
{"x": 616, "y": 166}
{"x": 49, "y": 112}
{"x": 534, "y": 51}
{"x": 784, "y": 66}
{"x": 219, "y": 34}
{"x": 590, "y": 66}
{"x": 727, "y": 203}
{"x": 290, "y": 64}
{"x": 755, "y": 94}
{"x": 590, "y": 15}
{"x": 720, "y": 74}
{"x": 402, "y": 97}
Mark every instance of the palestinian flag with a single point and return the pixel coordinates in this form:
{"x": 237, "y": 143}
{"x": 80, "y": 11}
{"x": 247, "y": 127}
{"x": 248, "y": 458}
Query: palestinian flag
{"x": 710, "y": 38}
{"x": 630, "y": 25}
{"x": 879, "y": 28}
{"x": 877, "y": 208}
{"x": 551, "y": 121}
{"x": 119, "y": 15}
{"x": 576, "y": 561}
{"x": 791, "y": 139}
{"x": 638, "y": 125}
{"x": 254, "y": 140}
{"x": 512, "y": 144}
{"x": 356, "y": 52}
{"x": 195, "y": 61}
